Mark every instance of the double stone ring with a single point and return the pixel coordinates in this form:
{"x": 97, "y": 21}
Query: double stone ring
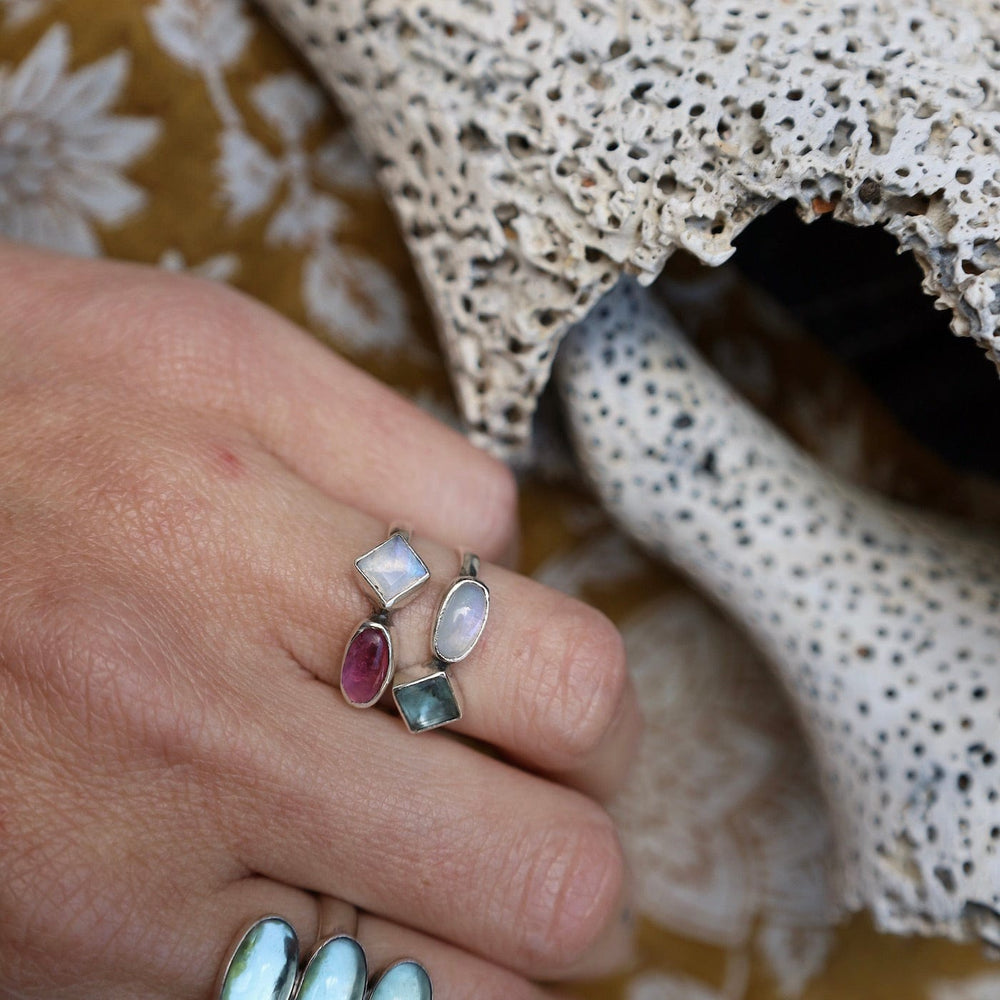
{"x": 393, "y": 573}
{"x": 265, "y": 965}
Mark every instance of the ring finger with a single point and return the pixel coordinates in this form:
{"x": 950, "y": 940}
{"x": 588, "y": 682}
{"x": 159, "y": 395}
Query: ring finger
{"x": 547, "y": 685}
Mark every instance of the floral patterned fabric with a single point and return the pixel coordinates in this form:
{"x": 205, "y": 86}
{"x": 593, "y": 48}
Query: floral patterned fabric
{"x": 184, "y": 133}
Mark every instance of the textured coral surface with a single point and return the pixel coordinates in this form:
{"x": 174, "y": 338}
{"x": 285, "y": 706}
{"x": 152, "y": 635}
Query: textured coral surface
{"x": 535, "y": 150}
{"x": 883, "y": 625}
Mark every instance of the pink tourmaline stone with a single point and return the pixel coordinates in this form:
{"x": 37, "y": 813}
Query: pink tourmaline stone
{"x": 366, "y": 665}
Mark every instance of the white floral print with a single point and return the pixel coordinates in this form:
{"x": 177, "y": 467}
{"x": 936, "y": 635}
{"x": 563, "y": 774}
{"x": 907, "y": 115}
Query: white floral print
{"x": 289, "y": 104}
{"x": 248, "y": 173}
{"x": 62, "y": 153}
{"x": 658, "y": 986}
{"x": 221, "y": 267}
{"x": 982, "y": 987}
{"x": 721, "y": 814}
{"x": 340, "y": 162}
{"x": 207, "y": 36}
{"x": 18, "y": 12}
{"x": 350, "y": 297}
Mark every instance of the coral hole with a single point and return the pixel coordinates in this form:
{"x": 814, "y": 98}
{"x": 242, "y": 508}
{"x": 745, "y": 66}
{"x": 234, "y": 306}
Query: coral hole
{"x": 862, "y": 300}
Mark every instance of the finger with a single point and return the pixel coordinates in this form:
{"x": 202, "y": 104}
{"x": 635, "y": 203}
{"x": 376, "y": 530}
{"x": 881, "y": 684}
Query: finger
{"x": 547, "y": 685}
{"x": 348, "y": 434}
{"x": 176, "y": 339}
{"x": 455, "y": 974}
{"x": 499, "y": 862}
{"x": 369, "y": 448}
{"x": 203, "y": 947}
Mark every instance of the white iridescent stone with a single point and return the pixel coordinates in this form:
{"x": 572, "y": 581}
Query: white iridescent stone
{"x": 264, "y": 964}
{"x": 461, "y": 620}
{"x": 393, "y": 570}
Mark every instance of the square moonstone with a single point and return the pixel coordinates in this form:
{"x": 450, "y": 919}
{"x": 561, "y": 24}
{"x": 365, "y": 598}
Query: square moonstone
{"x": 393, "y": 570}
{"x": 427, "y": 703}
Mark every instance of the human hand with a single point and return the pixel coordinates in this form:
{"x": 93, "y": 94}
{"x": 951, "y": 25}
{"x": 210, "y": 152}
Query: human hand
{"x": 185, "y": 480}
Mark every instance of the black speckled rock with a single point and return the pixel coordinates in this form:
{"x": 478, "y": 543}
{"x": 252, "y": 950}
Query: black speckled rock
{"x": 883, "y": 624}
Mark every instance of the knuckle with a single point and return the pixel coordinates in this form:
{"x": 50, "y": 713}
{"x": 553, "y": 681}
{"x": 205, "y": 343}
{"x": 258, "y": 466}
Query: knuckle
{"x": 583, "y": 688}
{"x": 192, "y": 334}
{"x": 184, "y": 337}
{"x": 571, "y": 892}
{"x": 91, "y": 664}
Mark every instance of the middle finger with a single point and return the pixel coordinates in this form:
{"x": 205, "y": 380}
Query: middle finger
{"x": 429, "y": 834}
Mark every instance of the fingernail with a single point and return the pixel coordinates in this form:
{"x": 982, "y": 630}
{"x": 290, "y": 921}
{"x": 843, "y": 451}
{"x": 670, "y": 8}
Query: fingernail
{"x": 615, "y": 952}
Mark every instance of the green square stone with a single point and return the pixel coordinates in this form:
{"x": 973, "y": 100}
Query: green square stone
{"x": 428, "y": 702}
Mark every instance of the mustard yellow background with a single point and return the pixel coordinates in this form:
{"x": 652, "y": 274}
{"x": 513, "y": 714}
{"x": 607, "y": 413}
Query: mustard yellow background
{"x": 184, "y": 213}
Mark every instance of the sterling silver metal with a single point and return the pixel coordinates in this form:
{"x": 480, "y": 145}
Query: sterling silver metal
{"x": 430, "y": 700}
{"x": 403, "y": 980}
{"x": 389, "y": 601}
{"x": 267, "y": 984}
{"x": 337, "y": 970}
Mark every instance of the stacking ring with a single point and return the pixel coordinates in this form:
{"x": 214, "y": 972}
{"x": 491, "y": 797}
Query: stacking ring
{"x": 431, "y": 700}
{"x": 265, "y": 966}
{"x": 392, "y": 573}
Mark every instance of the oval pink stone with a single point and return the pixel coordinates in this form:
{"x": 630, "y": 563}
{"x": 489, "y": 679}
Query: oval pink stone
{"x": 365, "y": 672}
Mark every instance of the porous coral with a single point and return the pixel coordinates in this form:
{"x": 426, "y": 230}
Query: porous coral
{"x": 883, "y": 625}
{"x": 536, "y": 150}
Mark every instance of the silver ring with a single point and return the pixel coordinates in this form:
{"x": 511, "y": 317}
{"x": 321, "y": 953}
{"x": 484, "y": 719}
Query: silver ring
{"x": 266, "y": 964}
{"x": 392, "y": 574}
{"x": 431, "y": 701}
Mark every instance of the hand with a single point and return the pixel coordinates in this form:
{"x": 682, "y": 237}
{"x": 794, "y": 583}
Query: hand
{"x": 185, "y": 480}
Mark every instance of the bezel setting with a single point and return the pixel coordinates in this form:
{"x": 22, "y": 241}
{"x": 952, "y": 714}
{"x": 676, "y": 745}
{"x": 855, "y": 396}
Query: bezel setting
{"x": 462, "y": 583}
{"x": 437, "y": 686}
{"x": 366, "y": 625}
{"x": 394, "y": 548}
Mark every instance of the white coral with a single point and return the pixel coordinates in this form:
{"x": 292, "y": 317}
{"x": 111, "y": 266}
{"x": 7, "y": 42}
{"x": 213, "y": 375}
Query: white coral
{"x": 885, "y": 628}
{"x": 536, "y": 151}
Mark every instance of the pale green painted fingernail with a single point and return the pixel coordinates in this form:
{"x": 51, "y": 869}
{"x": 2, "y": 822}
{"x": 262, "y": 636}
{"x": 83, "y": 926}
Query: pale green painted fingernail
{"x": 338, "y": 971}
{"x": 265, "y": 963}
{"x": 404, "y": 981}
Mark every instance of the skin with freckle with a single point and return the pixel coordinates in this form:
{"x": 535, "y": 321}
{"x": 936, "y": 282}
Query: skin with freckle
{"x": 185, "y": 482}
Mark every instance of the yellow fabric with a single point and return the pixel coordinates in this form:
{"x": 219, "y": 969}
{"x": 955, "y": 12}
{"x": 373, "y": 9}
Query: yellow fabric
{"x": 221, "y": 155}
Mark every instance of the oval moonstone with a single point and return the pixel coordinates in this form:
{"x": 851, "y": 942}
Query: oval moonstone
{"x": 338, "y": 971}
{"x": 461, "y": 620}
{"x": 265, "y": 963}
{"x": 404, "y": 981}
{"x": 367, "y": 660}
